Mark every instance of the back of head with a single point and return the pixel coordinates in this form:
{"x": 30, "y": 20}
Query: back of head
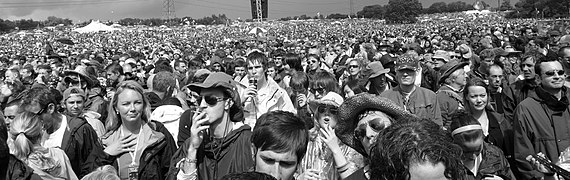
{"x": 106, "y": 172}
{"x": 41, "y": 95}
{"x": 460, "y": 120}
{"x": 26, "y": 130}
{"x": 163, "y": 81}
{"x": 282, "y": 132}
{"x": 402, "y": 146}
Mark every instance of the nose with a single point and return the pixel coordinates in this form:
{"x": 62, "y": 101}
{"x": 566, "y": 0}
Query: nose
{"x": 274, "y": 171}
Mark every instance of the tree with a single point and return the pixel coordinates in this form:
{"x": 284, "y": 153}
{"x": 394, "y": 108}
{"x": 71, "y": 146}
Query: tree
{"x": 540, "y": 8}
{"x": 374, "y": 11}
{"x": 337, "y": 16}
{"x": 505, "y": 5}
{"x": 54, "y": 21}
{"x": 458, "y": 6}
{"x": 438, "y": 7}
{"x": 402, "y": 11}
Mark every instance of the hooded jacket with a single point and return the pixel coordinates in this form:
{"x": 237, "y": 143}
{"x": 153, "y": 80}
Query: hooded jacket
{"x": 169, "y": 116}
{"x": 542, "y": 124}
{"x": 14, "y": 169}
{"x": 153, "y": 154}
{"x": 515, "y": 94}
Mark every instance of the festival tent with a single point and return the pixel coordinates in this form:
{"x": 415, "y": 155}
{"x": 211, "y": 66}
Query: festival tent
{"x": 257, "y": 30}
{"x": 95, "y": 26}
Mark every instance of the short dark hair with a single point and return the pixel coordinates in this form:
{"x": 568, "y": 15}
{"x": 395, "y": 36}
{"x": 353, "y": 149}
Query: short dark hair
{"x": 326, "y": 81}
{"x": 281, "y": 131}
{"x": 115, "y": 68}
{"x": 400, "y": 146}
{"x": 538, "y": 68}
{"x": 535, "y": 55}
{"x": 240, "y": 63}
{"x": 248, "y": 176}
{"x": 41, "y": 94}
{"x": 177, "y": 63}
{"x": 162, "y": 65}
{"x": 259, "y": 57}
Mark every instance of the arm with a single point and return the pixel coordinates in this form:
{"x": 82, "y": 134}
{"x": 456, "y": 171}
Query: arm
{"x": 523, "y": 145}
{"x": 437, "y": 112}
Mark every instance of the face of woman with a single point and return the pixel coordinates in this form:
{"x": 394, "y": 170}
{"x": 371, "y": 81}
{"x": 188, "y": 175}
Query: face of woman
{"x": 130, "y": 105}
{"x": 348, "y": 92}
{"x": 369, "y": 126}
{"x": 353, "y": 68}
{"x": 477, "y": 97}
{"x": 271, "y": 72}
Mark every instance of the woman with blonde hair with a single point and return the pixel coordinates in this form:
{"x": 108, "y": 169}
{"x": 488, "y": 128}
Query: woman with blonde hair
{"x": 132, "y": 136}
{"x": 48, "y": 163}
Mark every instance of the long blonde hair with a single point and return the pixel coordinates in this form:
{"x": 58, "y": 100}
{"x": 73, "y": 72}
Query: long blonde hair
{"x": 113, "y": 117}
{"x": 26, "y": 131}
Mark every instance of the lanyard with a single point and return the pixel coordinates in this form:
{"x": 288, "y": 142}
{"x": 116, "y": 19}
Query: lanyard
{"x": 134, "y": 153}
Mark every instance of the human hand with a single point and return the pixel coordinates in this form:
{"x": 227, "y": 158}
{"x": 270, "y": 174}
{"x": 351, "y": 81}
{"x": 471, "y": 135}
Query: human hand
{"x": 125, "y": 144}
{"x": 250, "y": 92}
{"x": 310, "y": 174}
{"x": 329, "y": 138}
{"x": 199, "y": 125}
{"x": 302, "y": 100}
{"x": 537, "y": 165}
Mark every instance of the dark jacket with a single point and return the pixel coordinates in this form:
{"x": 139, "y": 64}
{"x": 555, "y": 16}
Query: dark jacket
{"x": 493, "y": 163}
{"x": 514, "y": 94}
{"x": 13, "y": 169}
{"x": 155, "y": 158}
{"x": 542, "y": 124}
{"x": 450, "y": 101}
{"x": 83, "y": 148}
{"x": 219, "y": 157}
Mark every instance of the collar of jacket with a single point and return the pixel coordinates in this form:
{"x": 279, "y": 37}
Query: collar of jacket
{"x": 551, "y": 101}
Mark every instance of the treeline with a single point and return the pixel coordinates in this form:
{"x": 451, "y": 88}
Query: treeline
{"x": 28, "y": 24}
{"x": 208, "y": 20}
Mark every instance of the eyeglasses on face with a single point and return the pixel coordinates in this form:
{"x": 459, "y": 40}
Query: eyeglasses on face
{"x": 552, "y": 72}
{"x": 353, "y": 66}
{"x": 322, "y": 109}
{"x": 212, "y": 100}
{"x": 318, "y": 90}
{"x": 375, "y": 124}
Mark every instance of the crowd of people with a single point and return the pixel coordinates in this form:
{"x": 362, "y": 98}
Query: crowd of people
{"x": 307, "y": 100}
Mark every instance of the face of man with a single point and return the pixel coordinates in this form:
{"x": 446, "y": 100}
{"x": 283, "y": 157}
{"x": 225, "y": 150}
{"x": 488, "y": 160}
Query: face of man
{"x": 45, "y": 113}
{"x": 112, "y": 77}
{"x": 369, "y": 126}
{"x": 10, "y": 76}
{"x": 496, "y": 76}
{"x": 313, "y": 63}
{"x": 213, "y": 104}
{"x": 552, "y": 75}
{"x": 43, "y": 72}
{"x": 181, "y": 68}
{"x": 74, "y": 105}
{"x": 216, "y": 67}
{"x": 406, "y": 77}
{"x": 239, "y": 71}
{"x": 255, "y": 70}
{"x": 281, "y": 166}
{"x": 25, "y": 73}
{"x": 527, "y": 67}
{"x": 278, "y": 62}
{"x": 10, "y": 113}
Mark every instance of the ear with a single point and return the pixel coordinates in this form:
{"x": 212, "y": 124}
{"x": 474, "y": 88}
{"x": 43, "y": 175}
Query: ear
{"x": 51, "y": 108}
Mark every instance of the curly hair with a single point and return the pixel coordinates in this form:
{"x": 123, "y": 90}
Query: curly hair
{"x": 402, "y": 146}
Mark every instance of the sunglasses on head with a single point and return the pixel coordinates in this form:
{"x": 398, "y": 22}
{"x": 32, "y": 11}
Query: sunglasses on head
{"x": 212, "y": 100}
{"x": 551, "y": 73}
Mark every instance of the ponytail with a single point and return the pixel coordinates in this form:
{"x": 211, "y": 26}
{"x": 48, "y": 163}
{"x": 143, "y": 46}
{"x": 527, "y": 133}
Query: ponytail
{"x": 26, "y": 131}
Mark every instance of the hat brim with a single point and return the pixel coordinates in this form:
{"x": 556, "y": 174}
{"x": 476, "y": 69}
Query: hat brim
{"x": 356, "y": 105}
{"x": 376, "y": 74}
{"x": 404, "y": 67}
{"x": 313, "y": 105}
{"x": 450, "y": 71}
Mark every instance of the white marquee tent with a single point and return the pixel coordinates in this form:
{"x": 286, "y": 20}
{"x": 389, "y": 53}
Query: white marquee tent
{"x": 95, "y": 26}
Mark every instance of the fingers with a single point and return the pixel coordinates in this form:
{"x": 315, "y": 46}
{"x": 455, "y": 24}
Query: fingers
{"x": 324, "y": 132}
{"x": 128, "y": 139}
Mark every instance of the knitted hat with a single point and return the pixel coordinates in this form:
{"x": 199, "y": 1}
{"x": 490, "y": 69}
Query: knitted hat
{"x": 356, "y": 105}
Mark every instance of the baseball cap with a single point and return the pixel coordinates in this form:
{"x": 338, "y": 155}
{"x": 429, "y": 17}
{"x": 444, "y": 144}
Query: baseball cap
{"x": 407, "y": 62}
{"x": 73, "y": 91}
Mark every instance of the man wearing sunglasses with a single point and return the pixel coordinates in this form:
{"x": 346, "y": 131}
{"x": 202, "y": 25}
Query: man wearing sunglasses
{"x": 216, "y": 142}
{"x": 263, "y": 94}
{"x": 541, "y": 120}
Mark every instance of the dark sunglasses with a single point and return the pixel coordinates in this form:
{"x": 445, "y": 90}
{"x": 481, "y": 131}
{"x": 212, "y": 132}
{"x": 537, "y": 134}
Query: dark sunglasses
{"x": 551, "y": 73}
{"x": 128, "y": 74}
{"x": 328, "y": 108}
{"x": 353, "y": 66}
{"x": 312, "y": 62}
{"x": 319, "y": 90}
{"x": 375, "y": 125}
{"x": 212, "y": 100}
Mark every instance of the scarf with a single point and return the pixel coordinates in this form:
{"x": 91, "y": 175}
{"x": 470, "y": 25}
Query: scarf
{"x": 551, "y": 101}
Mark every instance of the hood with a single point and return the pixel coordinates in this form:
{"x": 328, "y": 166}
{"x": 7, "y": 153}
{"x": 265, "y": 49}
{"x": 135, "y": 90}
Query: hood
{"x": 167, "y": 113}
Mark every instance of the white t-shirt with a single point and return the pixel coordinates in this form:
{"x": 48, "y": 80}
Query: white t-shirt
{"x": 56, "y": 138}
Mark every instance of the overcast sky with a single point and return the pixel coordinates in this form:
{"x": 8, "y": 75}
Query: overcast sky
{"x": 82, "y": 10}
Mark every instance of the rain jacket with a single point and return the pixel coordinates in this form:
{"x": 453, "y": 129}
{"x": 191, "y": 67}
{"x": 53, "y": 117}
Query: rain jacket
{"x": 154, "y": 154}
{"x": 542, "y": 124}
{"x": 494, "y": 162}
{"x": 450, "y": 101}
{"x": 219, "y": 157}
{"x": 169, "y": 116}
{"x": 14, "y": 169}
{"x": 83, "y": 148}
